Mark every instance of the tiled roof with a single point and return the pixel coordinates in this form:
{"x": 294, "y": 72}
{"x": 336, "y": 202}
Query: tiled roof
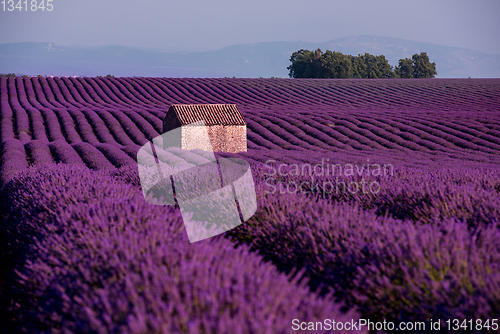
{"x": 211, "y": 114}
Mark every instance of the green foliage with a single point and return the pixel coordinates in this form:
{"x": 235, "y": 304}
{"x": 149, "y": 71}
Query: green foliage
{"x": 331, "y": 64}
{"x": 404, "y": 69}
{"x": 335, "y": 65}
{"x": 422, "y": 67}
{"x": 305, "y": 64}
{"x": 7, "y": 75}
{"x": 419, "y": 66}
{"x": 368, "y": 66}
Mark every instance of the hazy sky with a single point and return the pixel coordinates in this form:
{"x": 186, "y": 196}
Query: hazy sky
{"x": 206, "y": 25}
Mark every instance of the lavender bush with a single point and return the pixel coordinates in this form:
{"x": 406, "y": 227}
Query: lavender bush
{"x": 104, "y": 260}
{"x": 422, "y": 246}
{"x": 389, "y": 268}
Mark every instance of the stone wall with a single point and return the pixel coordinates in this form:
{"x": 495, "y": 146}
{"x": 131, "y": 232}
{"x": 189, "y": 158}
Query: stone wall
{"x": 231, "y": 138}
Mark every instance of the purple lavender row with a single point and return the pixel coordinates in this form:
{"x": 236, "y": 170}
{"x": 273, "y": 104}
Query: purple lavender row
{"x": 29, "y": 92}
{"x": 195, "y": 90}
{"x": 151, "y": 93}
{"x": 466, "y": 193}
{"x": 92, "y": 157}
{"x": 125, "y": 92}
{"x": 74, "y": 101}
{"x": 64, "y": 153}
{"x": 307, "y": 136}
{"x": 6, "y": 114}
{"x": 39, "y": 97}
{"x": 303, "y": 95}
{"x": 485, "y": 138}
{"x": 49, "y": 94}
{"x": 158, "y": 112}
{"x": 259, "y": 141}
{"x": 387, "y": 137}
{"x": 35, "y": 117}
{"x": 99, "y": 92}
{"x": 426, "y": 97}
{"x": 243, "y": 96}
{"x": 37, "y": 101}
{"x": 211, "y": 90}
{"x": 89, "y": 90}
{"x": 436, "y": 136}
{"x": 132, "y": 152}
{"x": 21, "y": 119}
{"x": 45, "y": 123}
{"x": 386, "y": 267}
{"x": 38, "y": 153}
{"x": 354, "y": 133}
{"x": 107, "y": 246}
{"x": 327, "y": 134}
{"x": 71, "y": 94}
{"x": 78, "y": 91}
{"x": 282, "y": 92}
{"x": 115, "y": 94}
{"x": 460, "y": 138}
{"x": 68, "y": 125}
{"x": 97, "y": 124}
{"x": 54, "y": 127}
{"x": 275, "y": 127}
{"x": 248, "y": 93}
{"x": 76, "y": 96}
{"x": 132, "y": 130}
{"x": 154, "y": 120}
{"x": 116, "y": 156}
{"x": 12, "y": 159}
{"x": 115, "y": 127}
{"x": 83, "y": 126}
{"x": 157, "y": 92}
{"x": 60, "y": 96}
{"x": 148, "y": 131}
{"x": 261, "y": 130}
{"x": 100, "y": 82}
{"x": 133, "y": 88}
{"x": 170, "y": 89}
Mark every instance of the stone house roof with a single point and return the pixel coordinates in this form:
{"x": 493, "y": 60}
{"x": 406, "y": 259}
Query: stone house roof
{"x": 211, "y": 114}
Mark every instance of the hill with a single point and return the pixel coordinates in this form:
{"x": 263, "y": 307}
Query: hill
{"x": 243, "y": 60}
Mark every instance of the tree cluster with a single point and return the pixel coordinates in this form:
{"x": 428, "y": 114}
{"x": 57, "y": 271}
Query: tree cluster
{"x": 331, "y": 64}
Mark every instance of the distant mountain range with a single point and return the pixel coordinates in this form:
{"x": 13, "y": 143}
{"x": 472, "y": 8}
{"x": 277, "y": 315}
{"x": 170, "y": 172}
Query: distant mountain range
{"x": 242, "y": 60}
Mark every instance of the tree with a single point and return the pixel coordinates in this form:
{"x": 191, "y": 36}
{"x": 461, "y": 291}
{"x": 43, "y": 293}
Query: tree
{"x": 404, "y": 68}
{"x": 419, "y": 66}
{"x": 335, "y": 65}
{"x": 371, "y": 67}
{"x": 305, "y": 64}
{"x": 331, "y": 64}
{"x": 422, "y": 67}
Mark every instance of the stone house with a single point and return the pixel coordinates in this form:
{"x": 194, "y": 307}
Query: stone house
{"x": 226, "y": 128}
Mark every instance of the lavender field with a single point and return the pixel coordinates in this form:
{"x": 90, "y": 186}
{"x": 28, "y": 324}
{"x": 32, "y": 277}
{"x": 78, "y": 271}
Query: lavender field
{"x": 407, "y": 228}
